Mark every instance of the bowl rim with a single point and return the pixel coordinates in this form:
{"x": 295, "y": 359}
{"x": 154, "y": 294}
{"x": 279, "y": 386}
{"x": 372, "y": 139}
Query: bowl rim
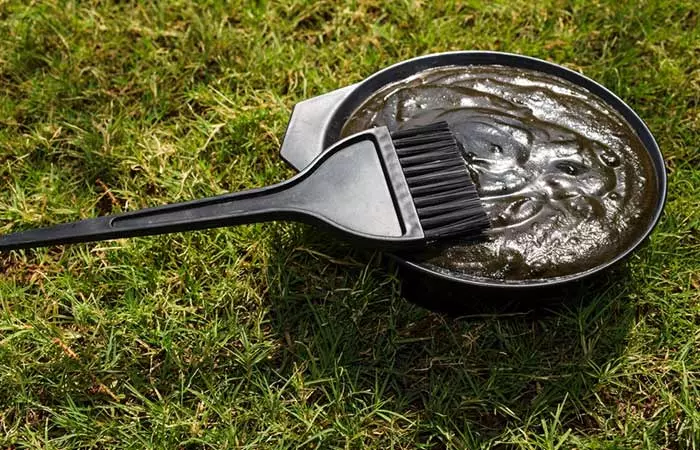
{"x": 409, "y": 67}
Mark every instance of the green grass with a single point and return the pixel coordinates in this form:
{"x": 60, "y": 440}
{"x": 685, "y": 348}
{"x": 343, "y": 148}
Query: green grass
{"x": 275, "y": 336}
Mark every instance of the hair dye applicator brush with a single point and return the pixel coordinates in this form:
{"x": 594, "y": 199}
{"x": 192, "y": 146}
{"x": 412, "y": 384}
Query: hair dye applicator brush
{"x": 385, "y": 190}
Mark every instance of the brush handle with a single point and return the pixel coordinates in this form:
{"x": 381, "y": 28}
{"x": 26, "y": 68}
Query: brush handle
{"x": 345, "y": 188}
{"x": 255, "y": 205}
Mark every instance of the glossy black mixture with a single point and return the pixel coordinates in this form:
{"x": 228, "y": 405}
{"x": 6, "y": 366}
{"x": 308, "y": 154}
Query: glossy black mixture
{"x": 566, "y": 182}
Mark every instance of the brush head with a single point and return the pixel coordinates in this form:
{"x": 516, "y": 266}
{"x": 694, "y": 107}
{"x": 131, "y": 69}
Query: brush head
{"x": 443, "y": 192}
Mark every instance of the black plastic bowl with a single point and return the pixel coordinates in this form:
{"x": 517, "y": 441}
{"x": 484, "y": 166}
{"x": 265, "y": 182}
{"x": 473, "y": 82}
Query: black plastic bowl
{"x": 317, "y": 123}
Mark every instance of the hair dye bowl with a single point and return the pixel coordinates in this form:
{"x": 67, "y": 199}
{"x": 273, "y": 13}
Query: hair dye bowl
{"x": 573, "y": 178}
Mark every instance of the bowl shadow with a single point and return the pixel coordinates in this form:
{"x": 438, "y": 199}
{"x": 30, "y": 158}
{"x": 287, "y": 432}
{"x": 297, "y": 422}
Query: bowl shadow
{"x": 472, "y": 361}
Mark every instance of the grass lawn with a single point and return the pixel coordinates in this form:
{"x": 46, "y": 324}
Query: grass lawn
{"x": 274, "y": 335}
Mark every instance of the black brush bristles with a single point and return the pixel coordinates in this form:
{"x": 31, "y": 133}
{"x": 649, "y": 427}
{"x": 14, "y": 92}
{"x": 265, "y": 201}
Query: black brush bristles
{"x": 444, "y": 194}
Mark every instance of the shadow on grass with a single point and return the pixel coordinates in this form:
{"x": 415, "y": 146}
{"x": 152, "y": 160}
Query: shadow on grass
{"x": 497, "y": 362}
